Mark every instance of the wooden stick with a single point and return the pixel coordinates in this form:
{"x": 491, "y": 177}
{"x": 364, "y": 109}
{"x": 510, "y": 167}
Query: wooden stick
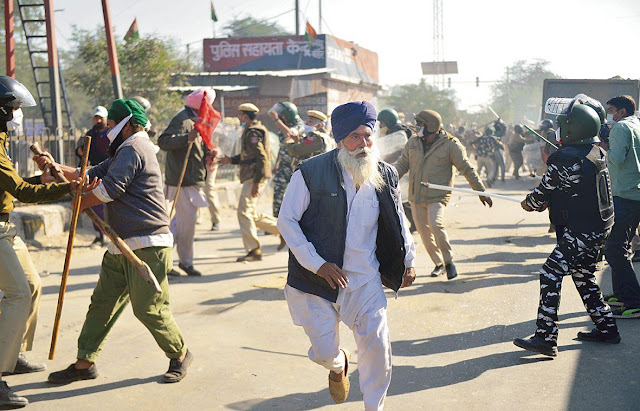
{"x": 184, "y": 170}
{"x": 77, "y": 199}
{"x": 141, "y": 267}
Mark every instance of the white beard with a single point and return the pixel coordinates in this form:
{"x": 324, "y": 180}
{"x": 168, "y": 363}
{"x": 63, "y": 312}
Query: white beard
{"x": 363, "y": 169}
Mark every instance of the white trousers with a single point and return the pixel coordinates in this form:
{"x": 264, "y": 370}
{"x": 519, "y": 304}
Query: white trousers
{"x": 183, "y": 223}
{"x": 364, "y": 311}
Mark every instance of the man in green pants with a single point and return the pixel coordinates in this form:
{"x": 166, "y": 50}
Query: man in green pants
{"x": 131, "y": 188}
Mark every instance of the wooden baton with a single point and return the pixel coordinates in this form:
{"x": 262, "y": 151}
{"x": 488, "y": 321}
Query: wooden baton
{"x": 141, "y": 267}
{"x": 184, "y": 170}
{"x": 75, "y": 207}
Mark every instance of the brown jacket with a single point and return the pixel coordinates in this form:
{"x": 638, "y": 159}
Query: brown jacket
{"x": 255, "y": 157}
{"x": 435, "y": 166}
{"x": 27, "y": 191}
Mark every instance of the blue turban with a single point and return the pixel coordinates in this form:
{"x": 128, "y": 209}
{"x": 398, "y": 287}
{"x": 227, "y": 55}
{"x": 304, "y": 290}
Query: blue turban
{"x": 350, "y": 116}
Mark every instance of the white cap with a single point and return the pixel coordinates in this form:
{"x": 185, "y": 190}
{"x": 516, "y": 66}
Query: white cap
{"x": 100, "y": 111}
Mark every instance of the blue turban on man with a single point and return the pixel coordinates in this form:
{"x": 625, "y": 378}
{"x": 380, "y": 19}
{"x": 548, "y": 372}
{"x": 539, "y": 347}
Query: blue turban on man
{"x": 348, "y": 117}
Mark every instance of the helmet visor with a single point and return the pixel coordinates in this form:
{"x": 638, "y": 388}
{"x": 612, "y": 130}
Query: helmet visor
{"x": 22, "y": 98}
{"x": 561, "y": 105}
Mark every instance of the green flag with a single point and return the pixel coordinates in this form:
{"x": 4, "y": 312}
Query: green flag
{"x": 132, "y": 33}
{"x": 213, "y": 13}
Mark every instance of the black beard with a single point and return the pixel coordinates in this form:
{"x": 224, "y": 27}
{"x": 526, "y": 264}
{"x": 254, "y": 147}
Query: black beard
{"x": 117, "y": 142}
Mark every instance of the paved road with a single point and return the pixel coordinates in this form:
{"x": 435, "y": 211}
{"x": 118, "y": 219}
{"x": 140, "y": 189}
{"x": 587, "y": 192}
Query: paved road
{"x": 451, "y": 340}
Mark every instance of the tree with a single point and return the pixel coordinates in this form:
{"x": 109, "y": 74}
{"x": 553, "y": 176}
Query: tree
{"x": 413, "y": 98}
{"x": 252, "y": 27}
{"x": 518, "y": 94}
{"x": 146, "y": 65}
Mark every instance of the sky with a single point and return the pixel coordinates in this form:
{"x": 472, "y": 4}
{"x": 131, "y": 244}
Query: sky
{"x": 580, "y": 38}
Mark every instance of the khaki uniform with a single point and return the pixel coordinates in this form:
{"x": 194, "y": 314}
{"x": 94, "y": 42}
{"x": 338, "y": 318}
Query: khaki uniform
{"x": 316, "y": 142}
{"x": 427, "y": 205}
{"x": 19, "y": 280}
{"x": 255, "y": 167}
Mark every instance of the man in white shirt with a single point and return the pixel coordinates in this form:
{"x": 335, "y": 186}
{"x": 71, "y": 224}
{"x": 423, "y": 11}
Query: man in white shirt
{"x": 343, "y": 220}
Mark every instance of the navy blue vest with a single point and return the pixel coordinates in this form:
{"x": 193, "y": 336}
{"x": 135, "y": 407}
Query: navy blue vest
{"x": 324, "y": 224}
{"x": 590, "y": 208}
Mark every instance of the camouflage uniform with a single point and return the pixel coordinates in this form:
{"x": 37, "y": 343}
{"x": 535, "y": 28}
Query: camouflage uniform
{"x": 285, "y": 168}
{"x": 576, "y": 254}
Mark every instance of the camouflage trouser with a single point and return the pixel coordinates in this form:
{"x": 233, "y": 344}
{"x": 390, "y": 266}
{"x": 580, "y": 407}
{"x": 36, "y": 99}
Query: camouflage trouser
{"x": 575, "y": 254}
{"x": 280, "y": 181}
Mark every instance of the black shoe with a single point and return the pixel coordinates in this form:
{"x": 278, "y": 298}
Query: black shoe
{"x": 9, "y": 398}
{"x": 215, "y": 227}
{"x": 71, "y": 374}
{"x": 23, "y": 366}
{"x": 438, "y": 270}
{"x": 177, "y": 369}
{"x": 596, "y": 335}
{"x": 98, "y": 242}
{"x": 253, "y": 255}
{"x": 189, "y": 270}
{"x": 552, "y": 228}
{"x": 174, "y": 273}
{"x": 537, "y": 344}
{"x": 452, "y": 272}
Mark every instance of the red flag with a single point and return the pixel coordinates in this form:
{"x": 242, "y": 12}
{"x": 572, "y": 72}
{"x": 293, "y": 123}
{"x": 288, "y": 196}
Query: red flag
{"x": 208, "y": 119}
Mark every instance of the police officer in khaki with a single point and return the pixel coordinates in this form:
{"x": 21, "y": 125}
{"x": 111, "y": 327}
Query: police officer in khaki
{"x": 255, "y": 170}
{"x": 19, "y": 280}
{"x": 316, "y": 140}
{"x": 430, "y": 157}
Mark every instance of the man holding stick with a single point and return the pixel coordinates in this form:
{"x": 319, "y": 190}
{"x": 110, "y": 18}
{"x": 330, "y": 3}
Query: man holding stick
{"x": 131, "y": 188}
{"x": 577, "y": 190}
{"x": 19, "y": 279}
{"x": 430, "y": 157}
{"x": 183, "y": 144}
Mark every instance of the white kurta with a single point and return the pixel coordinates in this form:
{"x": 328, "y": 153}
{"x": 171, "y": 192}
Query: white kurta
{"x": 362, "y": 305}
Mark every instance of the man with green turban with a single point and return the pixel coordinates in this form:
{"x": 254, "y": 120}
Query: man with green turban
{"x": 131, "y": 188}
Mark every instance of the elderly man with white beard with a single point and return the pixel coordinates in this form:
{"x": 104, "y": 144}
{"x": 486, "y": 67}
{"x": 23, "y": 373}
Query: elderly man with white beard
{"x": 343, "y": 220}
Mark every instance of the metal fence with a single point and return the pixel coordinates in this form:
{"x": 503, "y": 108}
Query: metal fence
{"x": 61, "y": 144}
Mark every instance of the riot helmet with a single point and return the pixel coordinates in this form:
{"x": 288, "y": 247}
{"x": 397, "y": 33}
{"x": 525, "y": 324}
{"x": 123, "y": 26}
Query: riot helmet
{"x": 13, "y": 95}
{"x": 579, "y": 119}
{"x": 430, "y": 119}
{"x": 289, "y": 111}
{"x": 389, "y": 117}
{"x": 546, "y": 124}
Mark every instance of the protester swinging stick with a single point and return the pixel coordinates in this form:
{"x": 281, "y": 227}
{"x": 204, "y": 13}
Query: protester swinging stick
{"x": 75, "y": 207}
{"x": 140, "y": 266}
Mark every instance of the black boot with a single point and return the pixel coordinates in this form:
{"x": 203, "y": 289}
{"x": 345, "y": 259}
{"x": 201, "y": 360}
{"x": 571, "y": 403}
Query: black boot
{"x": 596, "y": 335}
{"x": 9, "y": 398}
{"x": 537, "y": 344}
{"x": 452, "y": 272}
{"x": 253, "y": 255}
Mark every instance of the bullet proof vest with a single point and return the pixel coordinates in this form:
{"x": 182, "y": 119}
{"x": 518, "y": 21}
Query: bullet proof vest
{"x": 590, "y": 207}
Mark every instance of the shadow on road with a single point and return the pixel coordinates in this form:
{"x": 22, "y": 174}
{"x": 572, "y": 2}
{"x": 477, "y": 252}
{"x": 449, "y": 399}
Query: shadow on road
{"x": 495, "y": 334}
{"x": 57, "y": 395}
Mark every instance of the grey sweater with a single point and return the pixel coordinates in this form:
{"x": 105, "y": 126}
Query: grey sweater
{"x": 132, "y": 179}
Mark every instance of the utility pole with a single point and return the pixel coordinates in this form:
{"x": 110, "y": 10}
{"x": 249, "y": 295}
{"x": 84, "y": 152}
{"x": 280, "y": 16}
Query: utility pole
{"x": 188, "y": 53}
{"x": 297, "y": 17}
{"x": 54, "y": 73}
{"x": 319, "y": 16}
{"x": 113, "y": 52}
{"x": 10, "y": 43}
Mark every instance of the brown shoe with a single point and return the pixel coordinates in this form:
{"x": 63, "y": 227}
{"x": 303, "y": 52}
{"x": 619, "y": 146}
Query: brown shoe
{"x": 253, "y": 255}
{"x": 339, "y": 390}
{"x": 282, "y": 244}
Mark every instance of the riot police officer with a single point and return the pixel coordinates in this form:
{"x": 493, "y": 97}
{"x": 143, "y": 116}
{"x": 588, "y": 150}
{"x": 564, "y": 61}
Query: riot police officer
{"x": 315, "y": 141}
{"x": 577, "y": 190}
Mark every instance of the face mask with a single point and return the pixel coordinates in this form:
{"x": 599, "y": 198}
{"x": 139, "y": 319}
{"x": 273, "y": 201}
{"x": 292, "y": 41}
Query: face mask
{"x": 558, "y": 134}
{"x": 16, "y": 122}
{"x": 308, "y": 129}
{"x": 243, "y": 124}
{"x": 610, "y": 119}
{"x": 421, "y": 132}
{"x": 113, "y": 133}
